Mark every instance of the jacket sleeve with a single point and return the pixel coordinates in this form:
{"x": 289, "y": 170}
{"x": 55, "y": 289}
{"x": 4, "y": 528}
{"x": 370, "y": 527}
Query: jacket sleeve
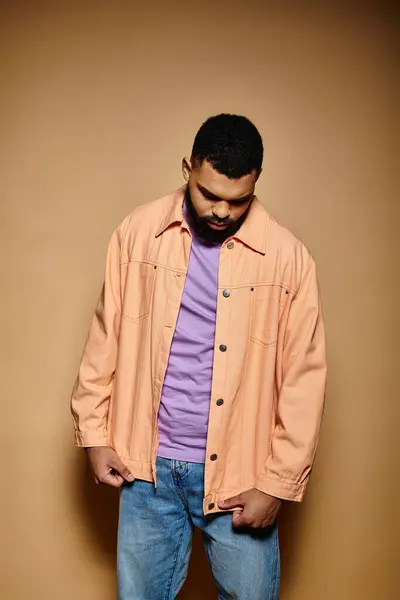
{"x": 92, "y": 391}
{"x": 301, "y": 398}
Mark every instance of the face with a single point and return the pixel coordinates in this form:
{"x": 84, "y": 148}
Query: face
{"x": 218, "y": 205}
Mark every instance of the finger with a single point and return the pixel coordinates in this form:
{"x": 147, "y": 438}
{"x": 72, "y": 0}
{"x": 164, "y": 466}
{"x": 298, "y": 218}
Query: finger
{"x": 233, "y": 502}
{"x": 239, "y": 519}
{"x": 112, "y": 479}
{"x": 265, "y": 524}
{"x": 121, "y": 469}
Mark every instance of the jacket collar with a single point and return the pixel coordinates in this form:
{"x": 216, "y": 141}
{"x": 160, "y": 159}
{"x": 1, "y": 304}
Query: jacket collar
{"x": 252, "y": 233}
{"x": 173, "y": 212}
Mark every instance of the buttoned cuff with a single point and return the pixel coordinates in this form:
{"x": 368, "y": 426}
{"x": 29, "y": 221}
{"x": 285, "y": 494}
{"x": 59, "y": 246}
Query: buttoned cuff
{"x": 281, "y": 488}
{"x": 89, "y": 439}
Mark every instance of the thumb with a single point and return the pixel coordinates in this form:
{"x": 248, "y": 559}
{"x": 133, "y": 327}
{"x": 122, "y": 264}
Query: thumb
{"x": 119, "y": 466}
{"x": 233, "y": 502}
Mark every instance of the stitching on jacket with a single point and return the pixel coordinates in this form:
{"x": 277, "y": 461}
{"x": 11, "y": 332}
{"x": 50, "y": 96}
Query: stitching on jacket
{"x": 261, "y": 343}
{"x": 257, "y": 285}
{"x": 136, "y": 319}
{"x": 246, "y": 358}
{"x": 139, "y": 379}
{"x": 289, "y": 483}
{"x": 152, "y": 263}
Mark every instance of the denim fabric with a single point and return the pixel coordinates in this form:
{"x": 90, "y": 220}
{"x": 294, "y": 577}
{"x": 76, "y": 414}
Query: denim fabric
{"x": 155, "y": 535}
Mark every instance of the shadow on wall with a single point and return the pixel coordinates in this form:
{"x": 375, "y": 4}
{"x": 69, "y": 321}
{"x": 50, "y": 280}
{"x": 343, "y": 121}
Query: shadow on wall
{"x": 99, "y": 511}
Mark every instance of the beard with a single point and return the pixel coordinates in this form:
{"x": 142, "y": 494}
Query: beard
{"x": 201, "y": 226}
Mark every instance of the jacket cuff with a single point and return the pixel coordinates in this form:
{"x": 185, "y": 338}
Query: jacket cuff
{"x": 88, "y": 439}
{"x": 281, "y": 488}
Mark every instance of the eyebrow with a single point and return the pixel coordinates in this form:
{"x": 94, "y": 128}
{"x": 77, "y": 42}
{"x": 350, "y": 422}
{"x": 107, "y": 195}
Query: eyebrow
{"x": 212, "y": 196}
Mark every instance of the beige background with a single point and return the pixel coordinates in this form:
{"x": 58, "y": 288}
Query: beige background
{"x": 99, "y": 101}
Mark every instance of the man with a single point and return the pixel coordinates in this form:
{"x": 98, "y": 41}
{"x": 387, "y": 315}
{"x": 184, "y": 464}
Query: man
{"x": 201, "y": 388}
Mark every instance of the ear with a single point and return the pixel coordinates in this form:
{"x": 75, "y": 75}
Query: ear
{"x": 186, "y": 168}
{"x": 258, "y": 174}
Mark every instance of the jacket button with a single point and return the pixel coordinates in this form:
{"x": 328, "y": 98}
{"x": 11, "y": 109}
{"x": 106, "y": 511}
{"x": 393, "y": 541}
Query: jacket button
{"x": 226, "y": 293}
{"x": 220, "y": 402}
{"x": 230, "y": 245}
{"x": 213, "y": 457}
{"x": 223, "y": 348}
{"x": 211, "y": 506}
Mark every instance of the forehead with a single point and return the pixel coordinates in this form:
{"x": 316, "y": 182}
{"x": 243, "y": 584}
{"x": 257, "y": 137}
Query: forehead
{"x": 221, "y": 186}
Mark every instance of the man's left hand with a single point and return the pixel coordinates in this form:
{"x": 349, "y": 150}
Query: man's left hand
{"x": 252, "y": 509}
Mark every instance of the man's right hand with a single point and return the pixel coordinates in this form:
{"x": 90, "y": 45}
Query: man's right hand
{"x": 108, "y": 467}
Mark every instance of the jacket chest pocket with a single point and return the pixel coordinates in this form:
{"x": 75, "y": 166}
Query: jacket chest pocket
{"x": 138, "y": 293}
{"x": 268, "y": 304}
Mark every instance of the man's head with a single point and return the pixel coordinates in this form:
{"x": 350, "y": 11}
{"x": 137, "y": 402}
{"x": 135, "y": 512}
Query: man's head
{"x": 225, "y": 163}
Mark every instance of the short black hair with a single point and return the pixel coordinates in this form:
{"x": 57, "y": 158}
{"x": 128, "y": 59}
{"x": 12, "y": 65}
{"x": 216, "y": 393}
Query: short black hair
{"x": 231, "y": 144}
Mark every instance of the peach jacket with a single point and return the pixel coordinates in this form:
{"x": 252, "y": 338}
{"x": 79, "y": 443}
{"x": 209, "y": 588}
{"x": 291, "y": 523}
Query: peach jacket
{"x": 269, "y": 361}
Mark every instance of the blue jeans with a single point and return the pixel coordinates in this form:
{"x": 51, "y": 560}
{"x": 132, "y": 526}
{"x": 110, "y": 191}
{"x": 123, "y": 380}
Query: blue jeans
{"x": 155, "y": 534}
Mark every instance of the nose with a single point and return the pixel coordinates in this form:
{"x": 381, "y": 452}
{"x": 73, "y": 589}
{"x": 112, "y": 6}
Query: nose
{"x": 221, "y": 211}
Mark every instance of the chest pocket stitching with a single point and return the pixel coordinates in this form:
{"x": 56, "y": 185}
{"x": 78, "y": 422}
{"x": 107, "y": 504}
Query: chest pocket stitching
{"x": 150, "y": 294}
{"x": 136, "y": 319}
{"x": 263, "y": 344}
{"x": 152, "y": 264}
{"x": 285, "y": 292}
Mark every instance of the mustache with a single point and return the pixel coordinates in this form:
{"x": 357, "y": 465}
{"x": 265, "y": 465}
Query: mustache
{"x": 215, "y": 221}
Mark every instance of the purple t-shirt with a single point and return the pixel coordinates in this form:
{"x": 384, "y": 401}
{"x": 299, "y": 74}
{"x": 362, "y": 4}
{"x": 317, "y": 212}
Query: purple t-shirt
{"x": 185, "y": 399}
